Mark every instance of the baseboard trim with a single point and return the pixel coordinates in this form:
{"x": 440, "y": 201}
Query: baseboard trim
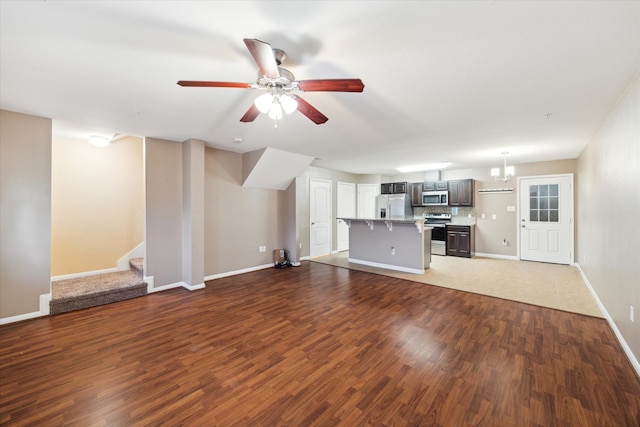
{"x": 83, "y": 274}
{"x": 193, "y": 287}
{"x": 137, "y": 252}
{"x": 236, "y": 272}
{"x": 165, "y": 287}
{"x": 387, "y": 266}
{"x": 627, "y": 350}
{"x": 45, "y": 308}
{"x": 510, "y": 257}
{"x": 20, "y": 317}
{"x": 44, "y": 311}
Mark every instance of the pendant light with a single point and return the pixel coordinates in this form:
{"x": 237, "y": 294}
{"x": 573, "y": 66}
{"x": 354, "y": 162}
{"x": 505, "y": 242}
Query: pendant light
{"x": 509, "y": 171}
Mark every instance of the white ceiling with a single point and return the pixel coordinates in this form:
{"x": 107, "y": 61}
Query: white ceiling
{"x": 449, "y": 81}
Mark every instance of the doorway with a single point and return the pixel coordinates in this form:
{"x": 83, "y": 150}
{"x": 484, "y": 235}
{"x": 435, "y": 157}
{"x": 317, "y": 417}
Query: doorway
{"x": 546, "y": 219}
{"x": 319, "y": 217}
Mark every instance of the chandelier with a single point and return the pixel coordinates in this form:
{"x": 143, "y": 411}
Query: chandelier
{"x": 509, "y": 171}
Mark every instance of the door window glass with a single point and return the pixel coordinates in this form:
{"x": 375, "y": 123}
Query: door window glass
{"x": 543, "y": 203}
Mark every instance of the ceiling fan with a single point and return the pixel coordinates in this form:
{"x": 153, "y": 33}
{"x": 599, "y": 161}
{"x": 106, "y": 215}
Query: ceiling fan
{"x": 280, "y": 85}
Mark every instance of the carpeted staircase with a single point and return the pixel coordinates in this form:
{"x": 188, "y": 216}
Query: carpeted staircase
{"x": 90, "y": 291}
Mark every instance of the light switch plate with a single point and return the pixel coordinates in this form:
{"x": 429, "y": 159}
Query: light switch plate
{"x": 511, "y": 208}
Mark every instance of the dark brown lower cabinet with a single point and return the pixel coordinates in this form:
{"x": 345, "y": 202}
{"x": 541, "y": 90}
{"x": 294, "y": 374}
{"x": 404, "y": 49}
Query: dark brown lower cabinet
{"x": 461, "y": 241}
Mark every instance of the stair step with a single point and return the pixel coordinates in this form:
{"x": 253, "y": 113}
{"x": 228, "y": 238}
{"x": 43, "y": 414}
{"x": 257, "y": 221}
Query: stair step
{"x": 137, "y": 264}
{"x": 90, "y": 291}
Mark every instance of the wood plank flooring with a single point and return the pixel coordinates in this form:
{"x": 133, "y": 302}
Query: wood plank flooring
{"x": 315, "y": 345}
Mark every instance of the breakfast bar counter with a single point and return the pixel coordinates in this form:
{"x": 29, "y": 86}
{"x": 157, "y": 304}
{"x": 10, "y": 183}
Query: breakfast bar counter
{"x": 402, "y": 244}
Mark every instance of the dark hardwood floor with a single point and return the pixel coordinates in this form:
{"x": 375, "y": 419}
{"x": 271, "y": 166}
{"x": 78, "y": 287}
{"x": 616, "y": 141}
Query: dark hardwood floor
{"x": 315, "y": 345}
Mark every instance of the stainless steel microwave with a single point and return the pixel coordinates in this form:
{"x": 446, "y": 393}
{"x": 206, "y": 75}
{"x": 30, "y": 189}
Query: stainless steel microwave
{"x": 435, "y": 198}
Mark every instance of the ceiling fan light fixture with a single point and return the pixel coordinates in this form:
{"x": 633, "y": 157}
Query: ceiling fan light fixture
{"x": 289, "y": 105}
{"x": 263, "y": 102}
{"x": 275, "y": 111}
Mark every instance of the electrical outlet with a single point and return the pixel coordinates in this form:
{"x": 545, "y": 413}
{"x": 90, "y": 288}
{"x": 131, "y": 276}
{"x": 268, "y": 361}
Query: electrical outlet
{"x": 393, "y": 250}
{"x": 494, "y": 216}
{"x": 504, "y": 242}
{"x": 484, "y": 216}
{"x": 631, "y": 313}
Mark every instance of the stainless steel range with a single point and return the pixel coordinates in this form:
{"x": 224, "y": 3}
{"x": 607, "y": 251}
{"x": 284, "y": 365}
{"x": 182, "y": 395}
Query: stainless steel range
{"x": 439, "y": 233}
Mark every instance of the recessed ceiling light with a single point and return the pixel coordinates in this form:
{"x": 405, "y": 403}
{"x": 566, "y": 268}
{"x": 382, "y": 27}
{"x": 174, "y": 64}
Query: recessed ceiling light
{"x": 424, "y": 167}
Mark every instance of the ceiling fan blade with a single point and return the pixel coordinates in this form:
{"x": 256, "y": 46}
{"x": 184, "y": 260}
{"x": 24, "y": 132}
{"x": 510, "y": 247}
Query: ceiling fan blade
{"x": 251, "y": 114}
{"x": 263, "y": 55}
{"x": 310, "y": 111}
{"x": 331, "y": 85}
{"x": 191, "y": 83}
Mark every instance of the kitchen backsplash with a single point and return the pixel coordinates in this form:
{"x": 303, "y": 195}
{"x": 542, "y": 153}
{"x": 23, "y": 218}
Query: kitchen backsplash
{"x": 461, "y": 217}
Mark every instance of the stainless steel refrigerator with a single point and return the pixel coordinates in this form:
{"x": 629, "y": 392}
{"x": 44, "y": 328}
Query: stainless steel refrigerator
{"x": 394, "y": 206}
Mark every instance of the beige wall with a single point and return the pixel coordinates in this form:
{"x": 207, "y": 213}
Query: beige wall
{"x": 97, "y": 204}
{"x": 490, "y": 232}
{"x": 193, "y": 235}
{"x": 163, "y": 206}
{"x": 25, "y": 212}
{"x": 609, "y": 207}
{"x": 302, "y": 204}
{"x": 237, "y": 220}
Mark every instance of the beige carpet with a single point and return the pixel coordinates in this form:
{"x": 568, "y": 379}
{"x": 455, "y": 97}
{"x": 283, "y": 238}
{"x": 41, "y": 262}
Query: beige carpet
{"x": 91, "y": 291}
{"x": 548, "y": 285}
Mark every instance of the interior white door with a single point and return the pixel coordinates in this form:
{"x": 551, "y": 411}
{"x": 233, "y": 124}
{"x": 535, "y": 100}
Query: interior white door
{"x": 367, "y": 200}
{"x": 320, "y": 217}
{"x": 346, "y": 209}
{"x": 546, "y": 219}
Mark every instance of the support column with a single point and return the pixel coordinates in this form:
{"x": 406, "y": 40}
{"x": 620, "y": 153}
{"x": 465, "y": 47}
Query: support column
{"x": 193, "y": 214}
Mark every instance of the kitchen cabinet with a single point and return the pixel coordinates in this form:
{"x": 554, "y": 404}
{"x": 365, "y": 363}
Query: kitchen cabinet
{"x": 461, "y": 241}
{"x": 394, "y": 188}
{"x": 461, "y": 192}
{"x": 435, "y": 186}
{"x": 415, "y": 189}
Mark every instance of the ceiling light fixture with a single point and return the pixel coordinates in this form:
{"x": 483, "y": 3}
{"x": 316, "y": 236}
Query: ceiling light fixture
{"x": 275, "y": 103}
{"x": 509, "y": 171}
{"x": 99, "y": 140}
{"x": 424, "y": 167}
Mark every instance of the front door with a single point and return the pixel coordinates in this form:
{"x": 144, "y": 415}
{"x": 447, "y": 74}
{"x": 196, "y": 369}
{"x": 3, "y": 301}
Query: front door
{"x": 346, "y": 209}
{"x": 546, "y": 219}
{"x": 320, "y": 217}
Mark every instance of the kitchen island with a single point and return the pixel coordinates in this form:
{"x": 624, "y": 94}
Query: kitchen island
{"x": 394, "y": 244}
